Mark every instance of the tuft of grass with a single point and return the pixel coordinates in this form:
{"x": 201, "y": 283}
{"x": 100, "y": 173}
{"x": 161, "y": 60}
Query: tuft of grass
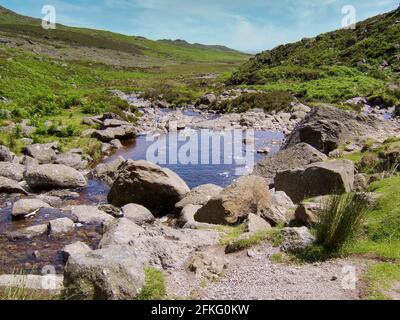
{"x": 341, "y": 220}
{"x": 154, "y": 287}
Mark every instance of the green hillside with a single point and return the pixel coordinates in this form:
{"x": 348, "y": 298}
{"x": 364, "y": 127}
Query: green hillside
{"x": 333, "y": 66}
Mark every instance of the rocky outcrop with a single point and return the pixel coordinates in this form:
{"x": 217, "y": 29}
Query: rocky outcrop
{"x": 322, "y": 178}
{"x": 297, "y": 156}
{"x": 199, "y": 196}
{"x": 12, "y": 171}
{"x": 26, "y": 207}
{"x": 53, "y": 176}
{"x": 11, "y": 186}
{"x": 249, "y": 194}
{"x": 149, "y": 185}
{"x": 326, "y": 128}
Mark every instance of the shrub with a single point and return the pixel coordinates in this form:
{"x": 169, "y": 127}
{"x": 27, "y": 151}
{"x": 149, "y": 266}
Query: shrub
{"x": 341, "y": 220}
{"x": 268, "y": 101}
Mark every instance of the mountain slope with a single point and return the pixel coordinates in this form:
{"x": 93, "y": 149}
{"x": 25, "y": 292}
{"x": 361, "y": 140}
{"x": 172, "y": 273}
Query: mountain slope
{"x": 17, "y": 26}
{"x": 354, "y": 59}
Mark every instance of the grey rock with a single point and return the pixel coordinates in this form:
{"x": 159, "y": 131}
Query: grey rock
{"x": 12, "y": 171}
{"x": 5, "y": 154}
{"x": 297, "y": 156}
{"x": 296, "y": 239}
{"x": 249, "y": 194}
{"x": 28, "y": 233}
{"x": 158, "y": 189}
{"x": 256, "y": 224}
{"x": 10, "y": 186}
{"x": 76, "y": 248}
{"x": 44, "y": 153}
{"x": 137, "y": 214}
{"x": 122, "y": 133}
{"x": 322, "y": 178}
{"x": 88, "y": 214}
{"x": 60, "y": 226}
{"x": 361, "y": 181}
{"x": 53, "y": 176}
{"x": 73, "y": 160}
{"x": 25, "y": 207}
{"x": 199, "y": 195}
{"x": 120, "y": 232}
{"x": 114, "y": 273}
{"x": 107, "y": 172}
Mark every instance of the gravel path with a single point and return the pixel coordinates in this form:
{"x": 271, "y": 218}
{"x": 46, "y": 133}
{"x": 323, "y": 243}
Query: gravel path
{"x": 258, "y": 278}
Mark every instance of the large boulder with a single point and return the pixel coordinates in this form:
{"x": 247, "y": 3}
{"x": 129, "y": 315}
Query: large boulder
{"x": 297, "y": 156}
{"x": 25, "y": 207}
{"x": 73, "y": 160}
{"x": 249, "y": 194}
{"x": 199, "y": 196}
{"x": 11, "y": 186}
{"x": 12, "y": 171}
{"x": 113, "y": 273}
{"x": 317, "y": 179}
{"x": 326, "y": 128}
{"x": 6, "y": 154}
{"x": 149, "y": 185}
{"x": 53, "y": 176}
{"x": 44, "y": 153}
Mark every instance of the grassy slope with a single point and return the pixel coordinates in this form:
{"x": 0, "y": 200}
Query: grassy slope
{"x": 334, "y": 66}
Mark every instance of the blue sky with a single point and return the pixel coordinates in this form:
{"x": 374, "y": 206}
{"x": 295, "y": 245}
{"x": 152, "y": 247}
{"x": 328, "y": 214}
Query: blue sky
{"x": 251, "y": 26}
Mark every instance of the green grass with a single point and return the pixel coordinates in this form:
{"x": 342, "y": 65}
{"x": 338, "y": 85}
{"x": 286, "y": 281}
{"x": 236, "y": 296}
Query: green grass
{"x": 154, "y": 287}
{"x": 380, "y": 278}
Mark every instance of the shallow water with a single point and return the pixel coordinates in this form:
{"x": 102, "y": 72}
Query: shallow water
{"x": 198, "y": 171}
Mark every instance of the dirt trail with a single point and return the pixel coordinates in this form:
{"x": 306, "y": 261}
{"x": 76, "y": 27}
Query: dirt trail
{"x": 251, "y": 275}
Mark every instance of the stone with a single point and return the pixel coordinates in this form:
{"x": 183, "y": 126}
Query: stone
{"x": 199, "y": 195}
{"x": 256, "y": 224}
{"x": 205, "y": 265}
{"x": 137, "y": 214}
{"x": 120, "y": 232}
{"x": 208, "y": 99}
{"x": 114, "y": 273}
{"x": 186, "y": 218}
{"x": 75, "y": 248}
{"x": 5, "y": 154}
{"x": 122, "y": 133}
{"x": 297, "y": 156}
{"x": 265, "y": 150}
{"x": 249, "y": 194}
{"x": 116, "y": 144}
{"x": 53, "y": 176}
{"x": 326, "y": 128}
{"x": 26, "y": 207}
{"x": 44, "y": 153}
{"x": 72, "y": 160}
{"x": 111, "y": 210}
{"x": 308, "y": 212}
{"x": 322, "y": 178}
{"x": 12, "y": 171}
{"x": 88, "y": 215}
{"x": 296, "y": 239}
{"x": 28, "y": 233}
{"x": 10, "y": 186}
{"x": 60, "y": 226}
{"x": 141, "y": 182}
{"x": 107, "y": 172}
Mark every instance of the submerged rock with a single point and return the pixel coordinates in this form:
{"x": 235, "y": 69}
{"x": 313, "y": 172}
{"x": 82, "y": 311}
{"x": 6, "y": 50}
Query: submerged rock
{"x": 28, "y": 233}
